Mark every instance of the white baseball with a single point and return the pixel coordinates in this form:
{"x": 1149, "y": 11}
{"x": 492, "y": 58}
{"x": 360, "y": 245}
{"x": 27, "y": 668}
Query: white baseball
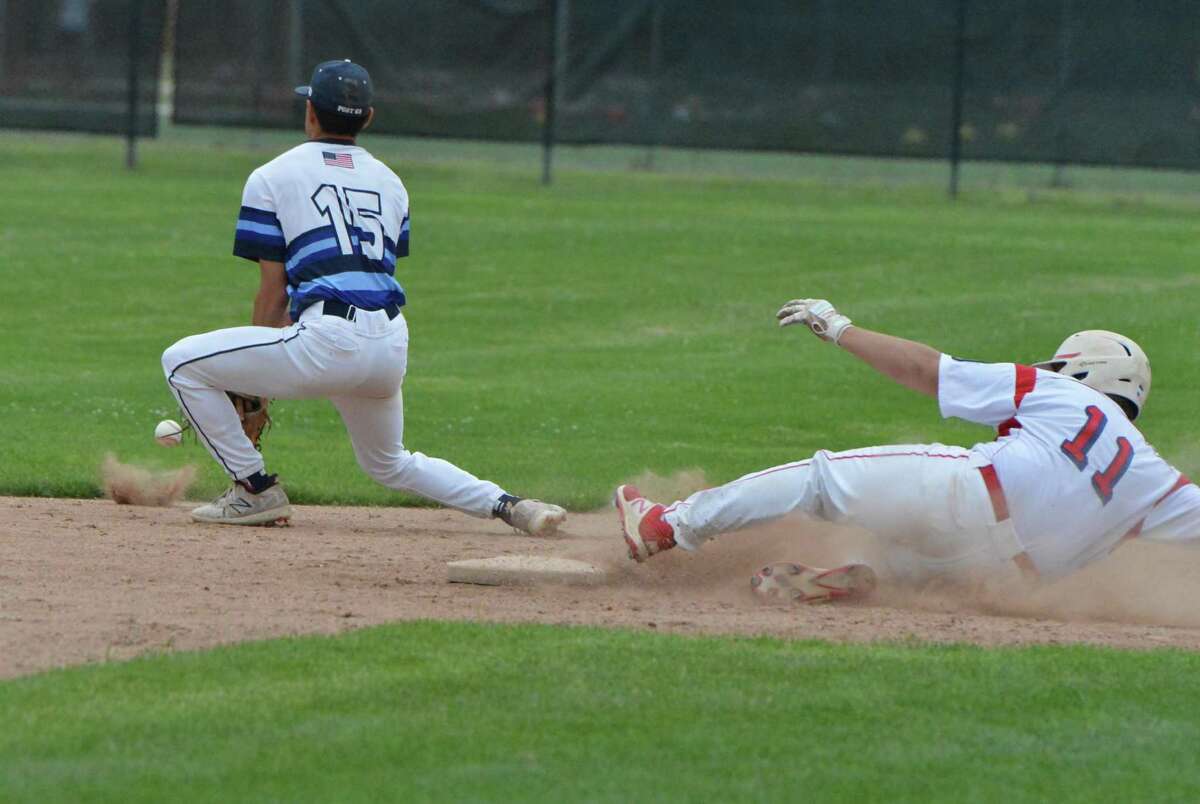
{"x": 168, "y": 433}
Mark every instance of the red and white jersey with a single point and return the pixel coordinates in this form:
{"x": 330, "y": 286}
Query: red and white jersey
{"x": 1078, "y": 477}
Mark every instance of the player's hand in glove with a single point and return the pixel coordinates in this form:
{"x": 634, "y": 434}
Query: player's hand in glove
{"x": 252, "y": 410}
{"x": 816, "y": 314}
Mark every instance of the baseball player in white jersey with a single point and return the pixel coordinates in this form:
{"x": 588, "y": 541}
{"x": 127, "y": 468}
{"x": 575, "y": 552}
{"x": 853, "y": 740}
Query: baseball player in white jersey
{"x": 326, "y": 222}
{"x": 1068, "y": 478}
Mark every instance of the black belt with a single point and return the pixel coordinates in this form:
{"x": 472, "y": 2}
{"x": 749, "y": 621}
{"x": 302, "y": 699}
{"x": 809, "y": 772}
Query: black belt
{"x": 347, "y": 311}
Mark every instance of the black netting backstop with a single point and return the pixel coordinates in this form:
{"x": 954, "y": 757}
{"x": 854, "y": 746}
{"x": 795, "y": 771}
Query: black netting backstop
{"x": 1102, "y": 81}
{"x": 1066, "y": 81}
{"x": 65, "y": 64}
{"x": 440, "y": 67}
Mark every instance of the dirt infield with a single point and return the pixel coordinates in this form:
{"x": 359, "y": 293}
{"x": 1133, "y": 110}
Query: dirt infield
{"x": 84, "y": 580}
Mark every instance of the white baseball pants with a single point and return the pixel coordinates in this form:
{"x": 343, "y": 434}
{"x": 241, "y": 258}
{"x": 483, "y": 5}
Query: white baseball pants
{"x": 358, "y": 365}
{"x": 927, "y": 504}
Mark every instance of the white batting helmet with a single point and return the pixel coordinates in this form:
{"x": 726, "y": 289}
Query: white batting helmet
{"x": 1106, "y": 361}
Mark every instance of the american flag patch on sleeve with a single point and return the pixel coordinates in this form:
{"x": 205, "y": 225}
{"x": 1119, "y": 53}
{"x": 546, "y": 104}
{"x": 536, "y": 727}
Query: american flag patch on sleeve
{"x": 337, "y": 160}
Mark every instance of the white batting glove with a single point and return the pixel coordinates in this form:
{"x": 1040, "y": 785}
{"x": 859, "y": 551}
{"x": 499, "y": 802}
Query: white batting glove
{"x": 816, "y": 314}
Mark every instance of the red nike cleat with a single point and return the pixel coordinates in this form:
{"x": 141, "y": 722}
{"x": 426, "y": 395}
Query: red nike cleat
{"x": 801, "y": 584}
{"x": 641, "y": 521}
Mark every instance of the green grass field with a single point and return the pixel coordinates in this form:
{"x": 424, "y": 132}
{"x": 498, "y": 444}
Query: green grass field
{"x": 565, "y": 339}
{"x": 438, "y": 711}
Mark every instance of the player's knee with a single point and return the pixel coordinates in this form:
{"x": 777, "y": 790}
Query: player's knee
{"x": 180, "y": 354}
{"x": 820, "y": 461}
{"x": 388, "y": 468}
{"x": 819, "y": 503}
{"x": 173, "y": 357}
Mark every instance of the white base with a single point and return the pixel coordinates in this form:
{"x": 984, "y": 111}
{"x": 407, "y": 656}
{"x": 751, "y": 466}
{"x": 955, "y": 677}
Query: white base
{"x": 509, "y": 570}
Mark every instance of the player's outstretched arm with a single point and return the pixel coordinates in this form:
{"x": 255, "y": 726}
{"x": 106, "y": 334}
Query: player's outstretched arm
{"x": 913, "y": 365}
{"x": 909, "y": 363}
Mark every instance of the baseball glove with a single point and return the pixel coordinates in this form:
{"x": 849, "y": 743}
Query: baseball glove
{"x": 252, "y": 410}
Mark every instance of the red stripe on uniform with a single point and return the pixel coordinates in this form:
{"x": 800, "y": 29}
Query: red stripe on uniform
{"x": 1180, "y": 483}
{"x": 999, "y": 501}
{"x": 1006, "y": 427}
{"x": 1136, "y": 530}
{"x": 772, "y": 470}
{"x": 1026, "y": 379}
{"x": 806, "y": 462}
{"x": 896, "y": 455}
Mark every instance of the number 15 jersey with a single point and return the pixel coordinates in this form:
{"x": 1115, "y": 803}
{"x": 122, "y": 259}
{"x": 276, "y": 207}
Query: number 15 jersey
{"x": 1078, "y": 477}
{"x": 335, "y": 216}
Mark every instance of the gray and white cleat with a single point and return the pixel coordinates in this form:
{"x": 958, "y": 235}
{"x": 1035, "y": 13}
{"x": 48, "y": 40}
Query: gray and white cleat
{"x": 798, "y": 583}
{"x": 534, "y": 517}
{"x": 238, "y": 506}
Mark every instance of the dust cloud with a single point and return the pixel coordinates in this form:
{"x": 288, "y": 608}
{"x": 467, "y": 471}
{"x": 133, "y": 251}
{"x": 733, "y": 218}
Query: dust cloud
{"x": 1141, "y": 583}
{"x": 126, "y": 484}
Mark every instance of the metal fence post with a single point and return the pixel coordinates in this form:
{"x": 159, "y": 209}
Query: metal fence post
{"x": 3, "y": 35}
{"x": 651, "y": 116}
{"x": 960, "y": 58}
{"x": 296, "y": 42}
{"x": 164, "y": 109}
{"x": 1062, "y": 83}
{"x": 555, "y": 81}
{"x": 135, "y": 38}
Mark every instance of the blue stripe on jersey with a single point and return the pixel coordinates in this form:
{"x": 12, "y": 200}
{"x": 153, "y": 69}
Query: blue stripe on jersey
{"x": 313, "y": 252}
{"x": 254, "y": 240}
{"x": 299, "y": 250}
{"x": 262, "y": 231}
{"x": 370, "y": 291}
{"x": 257, "y": 251}
{"x": 338, "y": 264}
{"x": 402, "y": 245}
{"x": 311, "y": 236}
{"x": 318, "y": 270}
{"x": 321, "y": 244}
{"x": 263, "y": 216}
{"x": 393, "y": 250}
{"x": 258, "y": 235}
{"x": 352, "y": 282}
{"x": 356, "y": 234}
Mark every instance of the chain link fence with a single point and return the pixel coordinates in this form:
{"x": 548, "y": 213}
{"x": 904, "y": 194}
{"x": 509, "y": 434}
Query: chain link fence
{"x": 73, "y": 64}
{"x": 1106, "y": 82}
{"x": 1102, "y": 82}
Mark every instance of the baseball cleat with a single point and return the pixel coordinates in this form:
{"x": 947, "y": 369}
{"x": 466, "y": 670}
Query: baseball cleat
{"x": 641, "y": 521}
{"x": 800, "y": 584}
{"x": 533, "y": 516}
{"x": 238, "y": 506}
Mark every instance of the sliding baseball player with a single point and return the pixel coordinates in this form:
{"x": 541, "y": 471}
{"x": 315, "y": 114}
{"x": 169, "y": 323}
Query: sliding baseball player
{"x": 1068, "y": 478}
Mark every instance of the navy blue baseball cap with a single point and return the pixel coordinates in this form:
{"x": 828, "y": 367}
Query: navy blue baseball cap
{"x": 339, "y": 86}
